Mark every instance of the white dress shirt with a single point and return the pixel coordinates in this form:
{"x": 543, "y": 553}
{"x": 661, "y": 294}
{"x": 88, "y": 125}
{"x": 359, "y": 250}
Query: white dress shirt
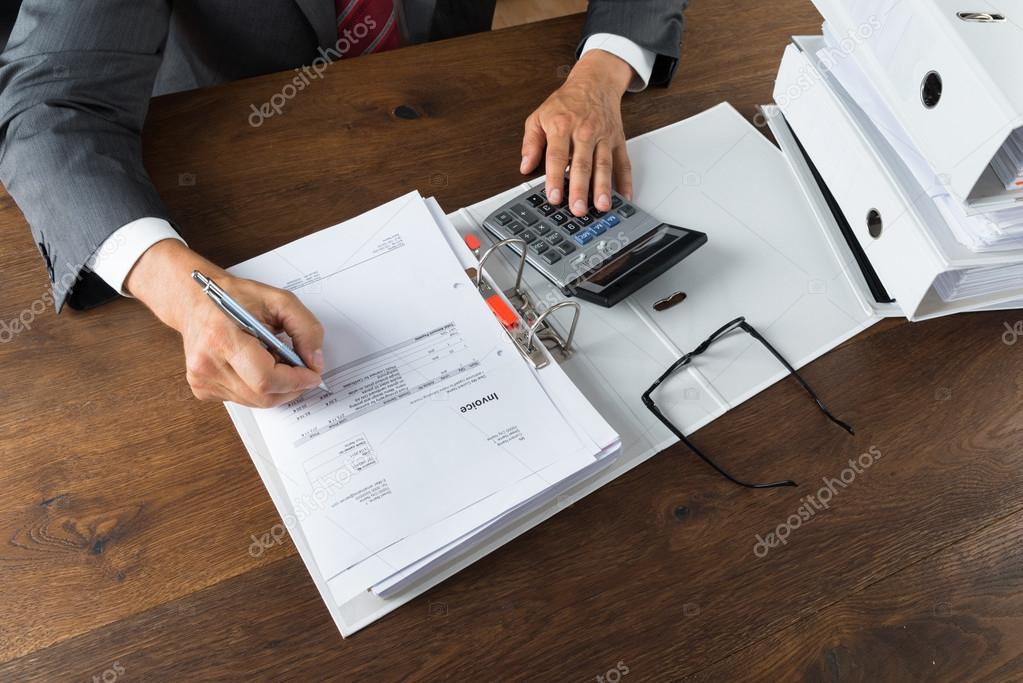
{"x": 117, "y": 255}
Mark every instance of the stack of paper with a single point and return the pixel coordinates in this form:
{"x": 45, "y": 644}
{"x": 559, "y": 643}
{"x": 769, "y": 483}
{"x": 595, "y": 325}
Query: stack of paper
{"x": 436, "y": 433}
{"x": 957, "y": 285}
{"x": 979, "y": 232}
{"x": 1008, "y": 163}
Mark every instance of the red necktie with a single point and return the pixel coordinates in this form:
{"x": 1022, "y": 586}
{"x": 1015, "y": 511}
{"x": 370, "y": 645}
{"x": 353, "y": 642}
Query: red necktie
{"x": 365, "y": 26}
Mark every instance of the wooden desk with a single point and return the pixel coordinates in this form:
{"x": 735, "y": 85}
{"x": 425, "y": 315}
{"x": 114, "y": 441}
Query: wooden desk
{"x": 127, "y": 508}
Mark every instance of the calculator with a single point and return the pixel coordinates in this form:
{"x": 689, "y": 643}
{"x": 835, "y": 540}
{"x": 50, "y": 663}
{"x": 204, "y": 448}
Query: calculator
{"x": 601, "y": 257}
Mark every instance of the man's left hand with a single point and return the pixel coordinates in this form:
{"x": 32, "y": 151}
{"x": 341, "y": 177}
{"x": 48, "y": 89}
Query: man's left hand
{"x": 582, "y": 121}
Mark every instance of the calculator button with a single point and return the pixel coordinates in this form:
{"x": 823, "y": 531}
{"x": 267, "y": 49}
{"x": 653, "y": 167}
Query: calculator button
{"x": 599, "y": 227}
{"x": 515, "y": 227}
{"x": 523, "y": 214}
{"x": 535, "y": 200}
{"x": 552, "y": 257}
{"x": 542, "y": 228}
{"x": 626, "y": 210}
{"x": 570, "y": 227}
{"x": 528, "y": 237}
{"x": 558, "y": 217}
{"x": 546, "y": 209}
{"x": 596, "y": 213}
{"x": 554, "y": 237}
{"x": 584, "y": 220}
{"x": 616, "y": 201}
{"x": 504, "y": 218}
{"x": 539, "y": 246}
{"x": 612, "y": 220}
{"x": 566, "y": 248}
{"x": 585, "y": 237}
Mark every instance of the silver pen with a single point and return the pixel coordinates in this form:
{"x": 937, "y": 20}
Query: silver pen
{"x": 249, "y": 322}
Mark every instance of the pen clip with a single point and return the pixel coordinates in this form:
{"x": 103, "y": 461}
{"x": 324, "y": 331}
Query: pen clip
{"x": 210, "y": 288}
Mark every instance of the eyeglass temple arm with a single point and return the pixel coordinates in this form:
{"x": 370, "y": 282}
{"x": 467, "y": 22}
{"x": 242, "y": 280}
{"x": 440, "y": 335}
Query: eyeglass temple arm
{"x": 820, "y": 404}
{"x": 649, "y": 403}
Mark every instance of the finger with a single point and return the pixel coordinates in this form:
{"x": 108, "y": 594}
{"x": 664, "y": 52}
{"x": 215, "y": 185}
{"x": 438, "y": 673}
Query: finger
{"x": 602, "y": 167}
{"x": 210, "y": 378}
{"x": 211, "y": 391}
{"x": 262, "y": 374}
{"x": 285, "y": 311}
{"x": 557, "y": 158}
{"x": 533, "y": 141}
{"x": 582, "y": 167}
{"x": 622, "y": 170}
{"x": 234, "y": 387}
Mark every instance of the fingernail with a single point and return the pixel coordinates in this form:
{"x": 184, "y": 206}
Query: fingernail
{"x": 318, "y": 359}
{"x": 604, "y": 202}
{"x": 522, "y": 165}
{"x": 555, "y": 196}
{"x": 579, "y": 206}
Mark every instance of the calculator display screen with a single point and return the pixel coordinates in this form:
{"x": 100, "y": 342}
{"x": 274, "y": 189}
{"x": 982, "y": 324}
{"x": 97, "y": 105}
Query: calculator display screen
{"x": 631, "y": 256}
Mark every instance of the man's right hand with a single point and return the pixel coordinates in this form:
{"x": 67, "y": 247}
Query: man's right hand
{"x": 223, "y": 362}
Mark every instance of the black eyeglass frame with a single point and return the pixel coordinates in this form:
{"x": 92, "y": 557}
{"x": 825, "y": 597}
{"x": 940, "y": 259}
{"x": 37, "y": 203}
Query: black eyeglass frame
{"x": 738, "y": 323}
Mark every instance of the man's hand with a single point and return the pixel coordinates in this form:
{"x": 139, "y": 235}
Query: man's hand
{"x": 583, "y": 120}
{"x": 223, "y": 362}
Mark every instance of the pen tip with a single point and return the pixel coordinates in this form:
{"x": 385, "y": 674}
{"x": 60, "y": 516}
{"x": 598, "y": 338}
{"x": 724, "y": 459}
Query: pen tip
{"x": 323, "y": 385}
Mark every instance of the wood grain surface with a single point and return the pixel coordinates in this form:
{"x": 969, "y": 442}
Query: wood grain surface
{"x": 127, "y": 508}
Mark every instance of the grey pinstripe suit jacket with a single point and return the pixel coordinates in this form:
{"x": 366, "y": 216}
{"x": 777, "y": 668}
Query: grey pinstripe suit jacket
{"x": 76, "y": 78}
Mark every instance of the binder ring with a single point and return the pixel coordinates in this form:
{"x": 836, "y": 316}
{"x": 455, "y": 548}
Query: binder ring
{"x": 567, "y": 344}
{"x": 491, "y": 250}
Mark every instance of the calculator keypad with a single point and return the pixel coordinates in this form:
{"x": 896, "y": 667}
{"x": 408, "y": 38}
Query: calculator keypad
{"x": 559, "y": 242}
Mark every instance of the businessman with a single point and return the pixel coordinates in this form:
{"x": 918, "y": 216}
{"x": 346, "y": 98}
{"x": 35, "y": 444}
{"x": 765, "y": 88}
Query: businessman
{"x": 75, "y": 83}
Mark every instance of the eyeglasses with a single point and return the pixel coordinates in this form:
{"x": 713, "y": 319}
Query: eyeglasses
{"x": 737, "y": 324}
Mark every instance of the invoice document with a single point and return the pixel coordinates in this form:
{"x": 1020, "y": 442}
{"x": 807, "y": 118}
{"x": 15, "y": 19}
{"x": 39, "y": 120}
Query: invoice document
{"x": 434, "y": 425}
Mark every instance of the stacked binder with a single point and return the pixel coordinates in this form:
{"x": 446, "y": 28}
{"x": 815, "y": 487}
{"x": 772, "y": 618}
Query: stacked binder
{"x": 909, "y": 111}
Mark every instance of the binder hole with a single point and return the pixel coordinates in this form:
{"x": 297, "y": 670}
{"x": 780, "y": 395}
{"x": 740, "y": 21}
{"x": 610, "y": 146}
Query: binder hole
{"x": 874, "y": 223}
{"x": 930, "y": 90}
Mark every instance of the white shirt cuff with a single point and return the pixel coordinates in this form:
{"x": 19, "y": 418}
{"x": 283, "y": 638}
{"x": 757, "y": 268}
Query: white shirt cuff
{"x": 639, "y": 58}
{"x": 117, "y": 255}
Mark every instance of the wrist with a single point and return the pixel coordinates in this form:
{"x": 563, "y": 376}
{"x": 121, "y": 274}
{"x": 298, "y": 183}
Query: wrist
{"x": 162, "y": 280}
{"x": 606, "y": 68}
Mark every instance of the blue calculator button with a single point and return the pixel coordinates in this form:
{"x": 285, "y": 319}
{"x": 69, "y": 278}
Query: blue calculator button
{"x": 612, "y": 220}
{"x": 585, "y": 237}
{"x": 599, "y": 227}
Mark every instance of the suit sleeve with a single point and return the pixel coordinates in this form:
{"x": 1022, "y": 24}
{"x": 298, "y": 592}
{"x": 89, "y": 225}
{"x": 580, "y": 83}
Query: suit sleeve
{"x": 75, "y": 83}
{"x": 652, "y": 24}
